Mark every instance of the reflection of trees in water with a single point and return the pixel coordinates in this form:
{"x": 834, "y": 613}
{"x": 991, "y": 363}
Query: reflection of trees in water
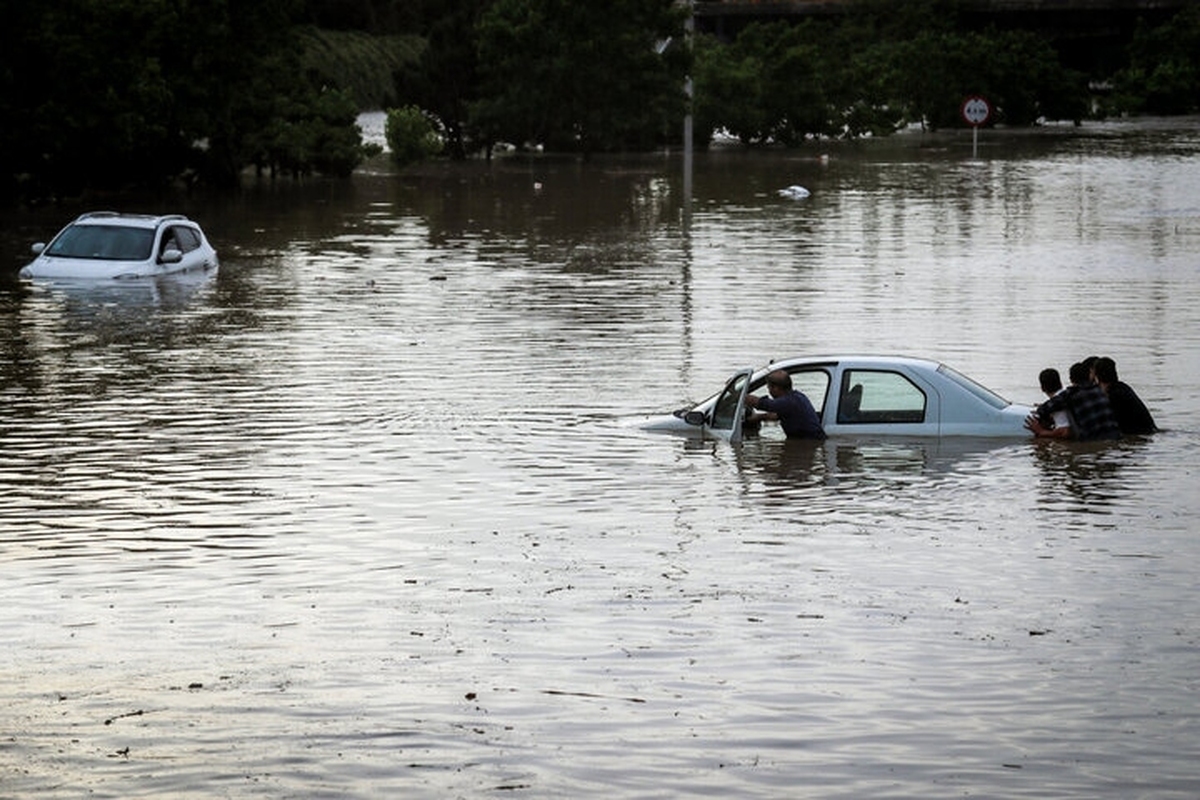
{"x": 542, "y": 199}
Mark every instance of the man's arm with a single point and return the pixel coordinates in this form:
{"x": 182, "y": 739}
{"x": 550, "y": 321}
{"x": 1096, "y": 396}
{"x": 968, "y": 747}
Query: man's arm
{"x": 1042, "y": 432}
{"x": 759, "y": 405}
{"x": 1045, "y": 411}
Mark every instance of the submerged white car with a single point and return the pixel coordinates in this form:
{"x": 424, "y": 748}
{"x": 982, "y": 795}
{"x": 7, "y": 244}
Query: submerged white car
{"x": 863, "y": 396}
{"x": 106, "y": 245}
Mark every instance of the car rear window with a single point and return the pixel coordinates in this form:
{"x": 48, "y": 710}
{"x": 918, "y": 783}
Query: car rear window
{"x": 982, "y": 392}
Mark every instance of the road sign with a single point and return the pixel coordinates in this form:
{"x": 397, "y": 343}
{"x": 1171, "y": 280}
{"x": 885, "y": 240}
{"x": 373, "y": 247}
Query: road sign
{"x": 976, "y": 111}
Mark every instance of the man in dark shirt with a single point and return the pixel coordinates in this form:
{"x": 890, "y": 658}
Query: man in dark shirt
{"x": 1090, "y": 413}
{"x": 1133, "y": 418}
{"x": 794, "y": 411}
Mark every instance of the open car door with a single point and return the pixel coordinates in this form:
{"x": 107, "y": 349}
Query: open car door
{"x": 729, "y": 412}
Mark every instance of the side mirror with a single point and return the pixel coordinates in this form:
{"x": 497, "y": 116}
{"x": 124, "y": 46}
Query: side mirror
{"x": 696, "y": 418}
{"x": 171, "y": 256}
{"x": 38, "y": 247}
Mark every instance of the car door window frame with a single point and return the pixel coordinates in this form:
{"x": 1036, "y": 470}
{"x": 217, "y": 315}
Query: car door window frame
{"x": 800, "y": 381}
{"x": 866, "y": 398}
{"x": 729, "y": 409}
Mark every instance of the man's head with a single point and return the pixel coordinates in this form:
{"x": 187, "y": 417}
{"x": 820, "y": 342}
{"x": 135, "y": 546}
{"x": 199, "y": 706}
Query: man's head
{"x": 1050, "y": 380}
{"x": 1081, "y": 374}
{"x": 1105, "y": 370}
{"x": 779, "y": 382}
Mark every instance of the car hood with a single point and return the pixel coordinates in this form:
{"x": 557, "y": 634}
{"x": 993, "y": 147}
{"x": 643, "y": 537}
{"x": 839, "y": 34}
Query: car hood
{"x": 87, "y": 268}
{"x": 669, "y": 423}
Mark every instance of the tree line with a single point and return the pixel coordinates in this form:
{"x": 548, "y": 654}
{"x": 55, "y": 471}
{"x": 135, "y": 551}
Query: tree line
{"x": 98, "y": 94}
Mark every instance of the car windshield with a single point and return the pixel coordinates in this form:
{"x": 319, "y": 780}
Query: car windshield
{"x": 107, "y": 242}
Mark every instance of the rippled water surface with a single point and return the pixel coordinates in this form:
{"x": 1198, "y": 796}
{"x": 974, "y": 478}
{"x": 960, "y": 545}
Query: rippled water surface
{"x": 367, "y": 512}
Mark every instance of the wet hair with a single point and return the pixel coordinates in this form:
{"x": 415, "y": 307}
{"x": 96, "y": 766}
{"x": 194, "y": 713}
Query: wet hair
{"x": 1050, "y": 380}
{"x": 1105, "y": 370}
{"x": 780, "y": 378}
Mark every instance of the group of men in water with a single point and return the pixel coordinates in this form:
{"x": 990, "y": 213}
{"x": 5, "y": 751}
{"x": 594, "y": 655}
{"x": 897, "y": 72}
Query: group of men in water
{"x": 1096, "y": 405}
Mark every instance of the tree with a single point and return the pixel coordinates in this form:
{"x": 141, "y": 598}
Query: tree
{"x": 1027, "y": 81}
{"x": 795, "y": 75}
{"x": 446, "y": 81}
{"x": 306, "y": 134}
{"x": 1163, "y": 76}
{"x": 728, "y": 92}
{"x": 411, "y": 136}
{"x": 362, "y": 64}
{"x": 581, "y": 76}
{"x": 110, "y": 93}
{"x": 92, "y": 97}
{"x": 1016, "y": 70}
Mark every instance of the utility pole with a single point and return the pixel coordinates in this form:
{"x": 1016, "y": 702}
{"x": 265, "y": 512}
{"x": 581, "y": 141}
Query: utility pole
{"x": 689, "y": 33}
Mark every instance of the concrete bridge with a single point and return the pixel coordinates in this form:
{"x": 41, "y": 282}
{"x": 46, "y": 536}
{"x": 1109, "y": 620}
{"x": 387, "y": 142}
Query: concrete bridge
{"x": 1084, "y": 32}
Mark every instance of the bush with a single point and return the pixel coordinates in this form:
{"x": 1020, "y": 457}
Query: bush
{"x": 411, "y": 135}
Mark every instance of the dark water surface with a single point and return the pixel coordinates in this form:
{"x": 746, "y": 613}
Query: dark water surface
{"x": 366, "y": 514}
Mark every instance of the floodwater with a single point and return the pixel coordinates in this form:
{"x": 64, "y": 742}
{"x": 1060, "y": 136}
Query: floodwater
{"x": 367, "y": 513}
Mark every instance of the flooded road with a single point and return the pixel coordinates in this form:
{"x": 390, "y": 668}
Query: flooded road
{"x": 367, "y": 513}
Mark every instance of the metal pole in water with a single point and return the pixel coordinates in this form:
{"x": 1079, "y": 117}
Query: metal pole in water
{"x": 689, "y": 28}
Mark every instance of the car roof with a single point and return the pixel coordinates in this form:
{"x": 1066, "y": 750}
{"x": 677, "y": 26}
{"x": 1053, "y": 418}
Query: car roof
{"x": 864, "y": 360}
{"x": 127, "y": 220}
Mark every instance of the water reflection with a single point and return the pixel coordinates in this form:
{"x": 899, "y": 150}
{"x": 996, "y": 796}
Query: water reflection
{"x": 126, "y": 298}
{"x": 789, "y": 470}
{"x": 1088, "y": 477}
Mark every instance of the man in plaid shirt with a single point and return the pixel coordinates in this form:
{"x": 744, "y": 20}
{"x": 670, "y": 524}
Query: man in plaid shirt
{"x": 1085, "y": 403}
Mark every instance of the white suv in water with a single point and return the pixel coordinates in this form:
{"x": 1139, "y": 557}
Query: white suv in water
{"x": 108, "y": 245}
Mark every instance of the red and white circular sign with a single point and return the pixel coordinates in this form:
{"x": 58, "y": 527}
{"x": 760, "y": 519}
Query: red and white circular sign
{"x": 976, "y": 111}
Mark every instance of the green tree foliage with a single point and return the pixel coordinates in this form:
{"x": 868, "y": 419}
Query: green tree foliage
{"x": 380, "y": 17}
{"x": 874, "y": 71}
{"x": 1018, "y": 72}
{"x": 772, "y": 84}
{"x": 446, "y": 80}
{"x": 107, "y": 93}
{"x": 728, "y": 92}
{"x": 581, "y": 76}
{"x": 1163, "y": 76}
{"x": 91, "y": 86}
{"x": 411, "y": 136}
{"x": 315, "y": 133}
{"x": 359, "y": 63}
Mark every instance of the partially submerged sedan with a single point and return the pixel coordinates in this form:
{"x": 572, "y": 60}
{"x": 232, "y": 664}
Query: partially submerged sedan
{"x": 105, "y": 245}
{"x": 863, "y": 396}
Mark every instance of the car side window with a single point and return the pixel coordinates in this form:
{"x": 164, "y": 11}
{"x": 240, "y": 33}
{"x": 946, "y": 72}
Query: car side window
{"x": 179, "y": 238}
{"x": 170, "y": 241}
{"x": 879, "y": 396}
{"x": 188, "y": 239}
{"x": 814, "y": 383}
